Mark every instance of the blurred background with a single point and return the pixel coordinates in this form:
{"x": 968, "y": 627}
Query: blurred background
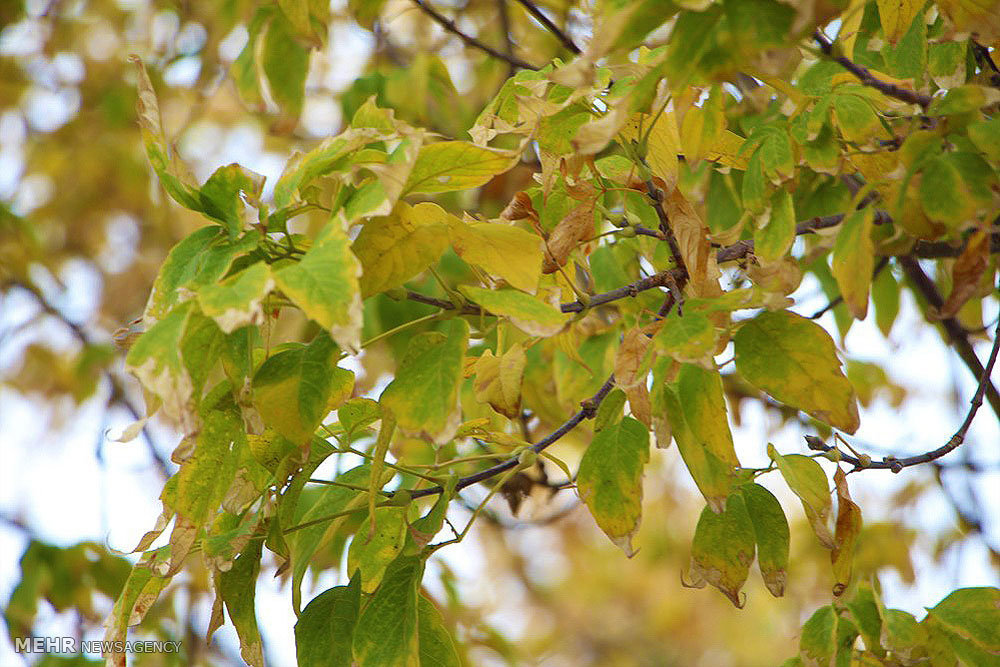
{"x": 84, "y": 228}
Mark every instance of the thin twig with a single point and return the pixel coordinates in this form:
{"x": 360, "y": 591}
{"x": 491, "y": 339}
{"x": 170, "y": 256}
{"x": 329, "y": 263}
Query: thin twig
{"x": 897, "y": 464}
{"x": 508, "y": 45}
{"x": 450, "y": 26}
{"x": 588, "y": 409}
{"x": 550, "y": 26}
{"x": 866, "y": 77}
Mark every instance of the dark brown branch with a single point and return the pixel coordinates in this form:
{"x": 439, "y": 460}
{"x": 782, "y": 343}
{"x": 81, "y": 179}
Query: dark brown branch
{"x": 508, "y": 45}
{"x": 450, "y": 26}
{"x": 588, "y": 409}
{"x": 745, "y": 247}
{"x": 959, "y": 339}
{"x": 836, "y": 301}
{"x": 897, "y": 464}
{"x": 550, "y": 26}
{"x": 942, "y": 249}
{"x": 866, "y": 77}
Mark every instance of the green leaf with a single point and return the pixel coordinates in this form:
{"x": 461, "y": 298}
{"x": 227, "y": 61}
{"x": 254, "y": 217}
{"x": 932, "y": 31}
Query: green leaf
{"x": 885, "y": 298}
{"x": 386, "y": 633}
{"x": 771, "y": 533}
{"x": 986, "y": 136}
{"x": 855, "y": 116}
{"x": 775, "y": 237}
{"x": 700, "y": 393}
{"x": 331, "y": 155}
{"x": 712, "y": 475}
{"x": 395, "y": 248}
{"x": 220, "y": 196}
{"x": 611, "y": 410}
{"x": 794, "y": 360}
{"x": 437, "y": 649}
{"x": 332, "y": 500}
{"x": 456, "y": 165}
{"x": 285, "y": 63}
{"x": 943, "y": 194}
{"x": 806, "y": 479}
{"x": 200, "y": 259}
{"x": 610, "y": 479}
{"x": 237, "y": 587}
{"x": 963, "y": 99}
{"x": 235, "y": 302}
{"x": 972, "y": 614}
{"x": 358, "y": 413}
{"x": 370, "y": 554}
{"x": 854, "y": 260}
{"x": 291, "y": 388}
{"x": 689, "y": 338}
{"x": 424, "y": 393}
{"x": 501, "y": 250}
{"x": 864, "y": 611}
{"x": 723, "y": 547}
{"x": 325, "y": 629}
{"x": 529, "y": 314}
{"x": 173, "y": 357}
{"x": 324, "y": 284}
{"x": 818, "y": 642}
{"x": 203, "y": 479}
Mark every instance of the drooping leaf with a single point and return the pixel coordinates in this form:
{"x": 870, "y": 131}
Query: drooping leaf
{"x": 794, "y": 360}
{"x": 610, "y": 480}
{"x": 771, "y": 534}
{"x": 437, "y": 649}
{"x": 806, "y": 479}
{"x": 845, "y": 536}
{"x": 972, "y": 614}
{"x": 325, "y": 629}
{"x": 323, "y": 516}
{"x": 285, "y": 63}
{"x": 775, "y": 237}
{"x": 324, "y": 284}
{"x": 818, "y": 643}
{"x": 723, "y": 547}
{"x": 498, "y": 380}
{"x": 370, "y": 554}
{"x": 424, "y": 394}
{"x": 854, "y": 260}
{"x": 386, "y": 633}
{"x": 237, "y": 586}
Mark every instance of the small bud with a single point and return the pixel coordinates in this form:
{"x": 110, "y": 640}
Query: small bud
{"x": 864, "y": 460}
{"x": 832, "y": 454}
{"x": 618, "y": 220}
{"x": 627, "y": 232}
{"x": 633, "y": 218}
{"x": 396, "y": 293}
{"x": 400, "y": 498}
{"x": 816, "y": 443}
{"x": 584, "y": 299}
{"x": 527, "y": 458}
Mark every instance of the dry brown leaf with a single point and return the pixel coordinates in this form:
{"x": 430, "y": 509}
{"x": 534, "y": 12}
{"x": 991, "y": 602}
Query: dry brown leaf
{"x": 571, "y": 230}
{"x": 966, "y": 272}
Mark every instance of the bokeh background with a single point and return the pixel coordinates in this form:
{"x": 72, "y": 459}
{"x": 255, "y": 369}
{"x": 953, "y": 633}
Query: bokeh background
{"x": 84, "y": 228}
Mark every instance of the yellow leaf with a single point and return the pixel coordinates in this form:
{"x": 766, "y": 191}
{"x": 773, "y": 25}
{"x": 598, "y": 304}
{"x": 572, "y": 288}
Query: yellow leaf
{"x": 854, "y": 260}
{"x": 529, "y": 314}
{"x": 501, "y": 250}
{"x": 663, "y": 144}
{"x": 897, "y": 15}
{"x": 397, "y": 247}
{"x": 498, "y": 380}
{"x": 980, "y": 17}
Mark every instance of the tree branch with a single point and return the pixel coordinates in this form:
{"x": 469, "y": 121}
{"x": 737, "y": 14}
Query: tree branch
{"x": 588, "y": 409}
{"x": 866, "y": 77}
{"x": 926, "y": 288}
{"x": 550, "y": 26}
{"x": 896, "y": 464}
{"x": 450, "y": 26}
